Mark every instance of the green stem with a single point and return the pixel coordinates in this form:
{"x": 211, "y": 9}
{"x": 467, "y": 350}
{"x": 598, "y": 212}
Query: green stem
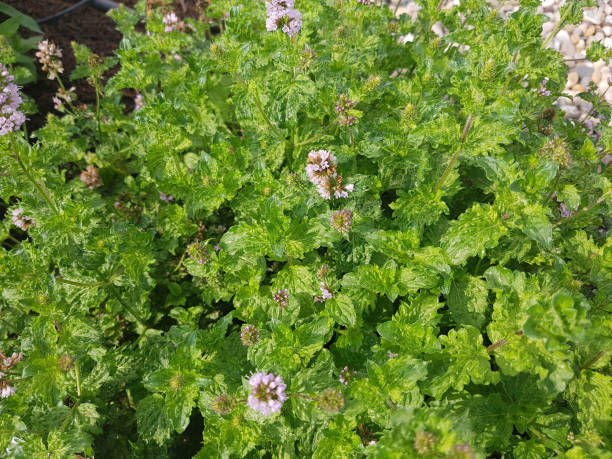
{"x": 556, "y": 29}
{"x": 69, "y": 417}
{"x": 311, "y": 139}
{"x": 98, "y": 112}
{"x": 128, "y": 308}
{"x": 599, "y": 97}
{"x": 554, "y": 187}
{"x": 583, "y": 210}
{"x": 509, "y": 77}
{"x": 598, "y": 356}
{"x": 466, "y": 129}
{"x": 40, "y": 189}
{"x": 260, "y": 108}
{"x": 78, "y": 379}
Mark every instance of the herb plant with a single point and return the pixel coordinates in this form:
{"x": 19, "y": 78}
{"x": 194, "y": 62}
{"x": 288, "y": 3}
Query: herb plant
{"x": 310, "y": 237}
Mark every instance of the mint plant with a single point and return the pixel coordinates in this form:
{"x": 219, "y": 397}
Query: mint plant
{"x": 308, "y": 237}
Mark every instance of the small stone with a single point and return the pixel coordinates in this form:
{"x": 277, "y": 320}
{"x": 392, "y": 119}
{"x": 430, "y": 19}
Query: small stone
{"x": 609, "y": 16}
{"x": 596, "y": 78}
{"x": 584, "y": 72}
{"x": 589, "y": 31}
{"x": 546, "y": 4}
{"x": 578, "y": 88}
{"x": 564, "y": 44}
{"x": 580, "y": 46}
{"x": 547, "y": 28}
{"x": 607, "y": 30}
{"x": 575, "y": 39}
{"x": 592, "y": 17}
{"x": 571, "y": 112}
{"x": 572, "y": 78}
{"x": 608, "y": 42}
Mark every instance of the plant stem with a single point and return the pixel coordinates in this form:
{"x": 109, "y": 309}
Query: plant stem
{"x": 449, "y": 167}
{"x": 260, "y": 108}
{"x": 583, "y": 210}
{"x": 554, "y": 187}
{"x": 78, "y": 379}
{"x": 556, "y": 29}
{"x": 509, "y": 77}
{"x": 98, "y": 113}
{"x": 40, "y": 188}
{"x": 598, "y": 356}
{"x": 599, "y": 97}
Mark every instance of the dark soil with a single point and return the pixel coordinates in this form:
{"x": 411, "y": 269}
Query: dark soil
{"x": 85, "y": 25}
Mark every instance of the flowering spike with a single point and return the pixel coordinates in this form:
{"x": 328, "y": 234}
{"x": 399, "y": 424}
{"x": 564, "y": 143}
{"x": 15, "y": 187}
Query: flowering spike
{"x": 197, "y": 251}
{"x": 50, "y": 57}
{"x": 346, "y": 375}
{"x": 21, "y": 221}
{"x": 341, "y": 220}
{"x": 331, "y": 400}
{"x": 281, "y": 14}
{"x": 281, "y": 297}
{"x": 91, "y": 177}
{"x": 249, "y": 335}
{"x": 171, "y": 22}
{"x": 11, "y": 119}
{"x": 267, "y": 393}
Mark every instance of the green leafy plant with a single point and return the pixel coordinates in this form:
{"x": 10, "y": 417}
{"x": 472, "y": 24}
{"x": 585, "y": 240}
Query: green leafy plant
{"x": 309, "y": 237}
{"x": 14, "y": 48}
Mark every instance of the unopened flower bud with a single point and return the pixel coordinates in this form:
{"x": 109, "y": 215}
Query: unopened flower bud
{"x": 424, "y": 442}
{"x": 249, "y": 335}
{"x": 223, "y": 404}
{"x": 65, "y": 362}
{"x": 331, "y": 400}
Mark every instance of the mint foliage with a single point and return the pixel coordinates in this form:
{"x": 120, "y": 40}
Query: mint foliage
{"x": 460, "y": 310}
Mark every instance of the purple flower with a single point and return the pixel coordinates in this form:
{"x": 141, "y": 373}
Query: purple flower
{"x": 249, "y": 335}
{"x": 6, "y": 390}
{"x": 165, "y": 197}
{"x": 564, "y": 211}
{"x": 282, "y": 14}
{"x": 346, "y": 375}
{"x": 281, "y": 297}
{"x": 348, "y": 120}
{"x": 341, "y": 220}
{"x": 391, "y": 355}
{"x": 138, "y": 102}
{"x": 91, "y": 177}
{"x": 326, "y": 293}
{"x": 267, "y": 393}
{"x": 171, "y": 22}
{"x": 11, "y": 119}
{"x": 321, "y": 171}
{"x": 50, "y": 57}
{"x": 20, "y": 220}
{"x": 323, "y": 271}
{"x": 543, "y": 91}
{"x": 197, "y": 251}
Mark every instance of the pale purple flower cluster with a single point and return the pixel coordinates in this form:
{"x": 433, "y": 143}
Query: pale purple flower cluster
{"x": 281, "y": 297}
{"x": 166, "y": 197}
{"x": 348, "y": 120}
{"x": 346, "y": 375}
{"x": 564, "y": 211}
{"x": 281, "y": 13}
{"x": 20, "y": 220}
{"x": 323, "y": 271}
{"x": 171, "y": 22}
{"x": 91, "y": 177}
{"x": 197, "y": 251}
{"x": 249, "y": 335}
{"x": 543, "y": 91}
{"x": 341, "y": 220}
{"x": 11, "y": 119}
{"x": 6, "y": 390}
{"x": 343, "y": 106}
{"x": 391, "y": 355}
{"x": 138, "y": 102}
{"x": 326, "y": 293}
{"x": 50, "y": 57}
{"x": 322, "y": 172}
{"x": 267, "y": 393}
{"x": 64, "y": 96}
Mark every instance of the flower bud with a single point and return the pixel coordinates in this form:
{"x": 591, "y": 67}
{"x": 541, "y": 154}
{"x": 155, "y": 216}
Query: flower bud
{"x": 424, "y": 442}
{"x": 65, "y": 362}
{"x": 249, "y": 335}
{"x": 331, "y": 400}
{"x": 372, "y": 83}
{"x": 223, "y": 404}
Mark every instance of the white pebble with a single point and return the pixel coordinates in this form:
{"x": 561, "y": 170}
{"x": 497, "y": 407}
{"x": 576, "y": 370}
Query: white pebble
{"x": 572, "y": 78}
{"x": 608, "y": 42}
{"x": 607, "y": 30}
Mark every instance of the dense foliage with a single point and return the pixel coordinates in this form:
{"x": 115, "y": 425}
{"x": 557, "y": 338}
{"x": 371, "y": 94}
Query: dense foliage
{"x": 403, "y": 245}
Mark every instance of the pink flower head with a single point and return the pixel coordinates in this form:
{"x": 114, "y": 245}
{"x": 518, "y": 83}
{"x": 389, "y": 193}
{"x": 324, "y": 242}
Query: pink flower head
{"x": 165, "y": 197}
{"x": 326, "y": 293}
{"x": 171, "y": 22}
{"x": 11, "y": 119}
{"x": 197, "y": 251}
{"x": 346, "y": 375}
{"x": 281, "y": 297}
{"x": 281, "y": 14}
{"x": 322, "y": 172}
{"x": 6, "y": 390}
{"x": 249, "y": 335}
{"x": 341, "y": 220}
{"x": 138, "y": 102}
{"x": 20, "y": 220}
{"x": 267, "y": 393}
{"x": 91, "y": 177}
{"x": 323, "y": 271}
{"x": 50, "y": 57}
